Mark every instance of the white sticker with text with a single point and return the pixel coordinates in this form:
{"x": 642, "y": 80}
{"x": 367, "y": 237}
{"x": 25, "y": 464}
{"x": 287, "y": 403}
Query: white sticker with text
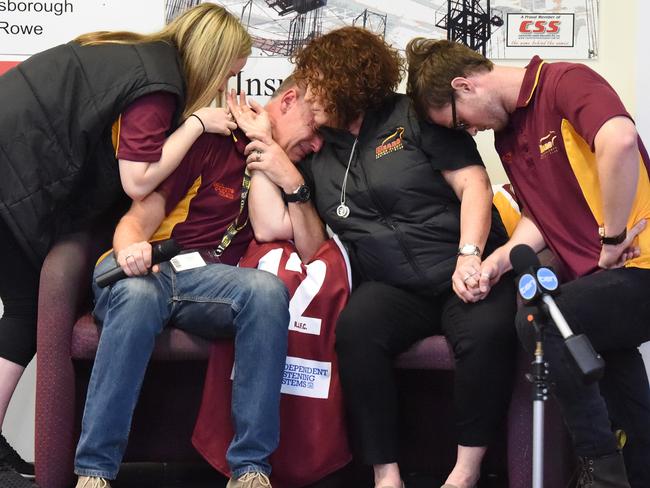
{"x": 304, "y": 377}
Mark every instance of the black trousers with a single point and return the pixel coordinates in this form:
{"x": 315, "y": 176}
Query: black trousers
{"x": 381, "y": 321}
{"x": 19, "y": 293}
{"x": 612, "y": 308}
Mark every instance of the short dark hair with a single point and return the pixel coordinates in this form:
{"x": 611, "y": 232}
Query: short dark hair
{"x": 287, "y": 84}
{"x": 433, "y": 64}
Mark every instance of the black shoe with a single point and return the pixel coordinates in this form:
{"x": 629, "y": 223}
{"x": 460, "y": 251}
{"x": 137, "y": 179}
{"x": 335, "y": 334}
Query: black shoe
{"x": 603, "y": 472}
{"x": 10, "y": 457}
{"x": 10, "y": 478}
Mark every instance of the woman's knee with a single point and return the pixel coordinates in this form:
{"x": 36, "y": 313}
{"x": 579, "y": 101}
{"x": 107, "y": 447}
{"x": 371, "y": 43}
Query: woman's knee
{"x": 350, "y": 327}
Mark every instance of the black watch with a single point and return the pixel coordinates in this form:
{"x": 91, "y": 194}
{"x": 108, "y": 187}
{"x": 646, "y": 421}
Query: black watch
{"x": 611, "y": 240}
{"x": 301, "y": 194}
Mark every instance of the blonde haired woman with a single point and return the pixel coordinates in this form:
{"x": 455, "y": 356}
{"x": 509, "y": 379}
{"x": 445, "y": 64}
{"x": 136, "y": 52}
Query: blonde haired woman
{"x": 84, "y": 123}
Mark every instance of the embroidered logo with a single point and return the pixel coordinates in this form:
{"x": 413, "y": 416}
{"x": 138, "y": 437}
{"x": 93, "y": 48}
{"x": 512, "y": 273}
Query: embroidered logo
{"x": 224, "y": 191}
{"x": 391, "y": 144}
{"x": 547, "y": 144}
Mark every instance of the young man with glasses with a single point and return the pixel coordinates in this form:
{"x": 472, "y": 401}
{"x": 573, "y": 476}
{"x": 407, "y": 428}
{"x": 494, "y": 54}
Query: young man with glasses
{"x": 579, "y": 168}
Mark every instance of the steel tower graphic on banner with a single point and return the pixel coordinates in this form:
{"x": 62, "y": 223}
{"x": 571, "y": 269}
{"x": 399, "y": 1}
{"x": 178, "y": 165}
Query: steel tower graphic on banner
{"x": 470, "y": 23}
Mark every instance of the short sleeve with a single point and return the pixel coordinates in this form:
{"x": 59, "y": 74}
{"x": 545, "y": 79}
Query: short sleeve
{"x": 144, "y": 126}
{"x": 587, "y": 101}
{"x": 448, "y": 149}
{"x": 174, "y": 188}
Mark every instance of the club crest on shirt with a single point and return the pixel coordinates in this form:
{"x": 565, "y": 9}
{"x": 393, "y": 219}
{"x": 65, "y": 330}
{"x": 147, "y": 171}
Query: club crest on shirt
{"x": 391, "y": 144}
{"x": 547, "y": 144}
{"x": 224, "y": 191}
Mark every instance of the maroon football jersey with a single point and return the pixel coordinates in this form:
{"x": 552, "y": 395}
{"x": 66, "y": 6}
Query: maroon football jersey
{"x": 313, "y": 438}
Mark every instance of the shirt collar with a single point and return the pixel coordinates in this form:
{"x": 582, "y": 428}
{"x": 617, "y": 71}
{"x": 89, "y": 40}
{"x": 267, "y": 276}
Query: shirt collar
{"x": 240, "y": 141}
{"x": 531, "y": 81}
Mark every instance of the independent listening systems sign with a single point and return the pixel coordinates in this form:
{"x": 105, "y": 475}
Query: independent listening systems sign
{"x": 27, "y": 27}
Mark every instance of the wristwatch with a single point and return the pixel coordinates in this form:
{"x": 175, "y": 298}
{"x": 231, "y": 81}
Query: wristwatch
{"x": 301, "y": 194}
{"x": 469, "y": 250}
{"x": 611, "y": 240}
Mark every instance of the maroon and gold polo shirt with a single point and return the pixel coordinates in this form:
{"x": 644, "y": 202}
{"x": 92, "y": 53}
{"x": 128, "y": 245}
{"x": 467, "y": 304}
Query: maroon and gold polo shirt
{"x": 547, "y": 150}
{"x": 203, "y": 195}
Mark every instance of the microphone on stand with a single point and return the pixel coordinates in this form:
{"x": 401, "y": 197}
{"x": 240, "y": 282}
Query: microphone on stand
{"x": 160, "y": 251}
{"x": 537, "y": 283}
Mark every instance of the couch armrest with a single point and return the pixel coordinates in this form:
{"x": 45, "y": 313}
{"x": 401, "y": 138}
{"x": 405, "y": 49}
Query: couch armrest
{"x": 64, "y": 286}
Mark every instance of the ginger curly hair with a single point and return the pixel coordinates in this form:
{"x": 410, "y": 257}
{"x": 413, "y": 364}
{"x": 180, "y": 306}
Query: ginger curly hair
{"x": 351, "y": 69}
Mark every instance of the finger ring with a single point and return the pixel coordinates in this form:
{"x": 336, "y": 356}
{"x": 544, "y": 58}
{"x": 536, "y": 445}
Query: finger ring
{"x": 129, "y": 256}
{"x": 259, "y": 155}
{"x": 467, "y": 277}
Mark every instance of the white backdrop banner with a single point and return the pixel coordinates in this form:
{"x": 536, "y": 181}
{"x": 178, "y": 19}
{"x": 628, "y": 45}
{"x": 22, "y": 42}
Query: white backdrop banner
{"x": 27, "y": 27}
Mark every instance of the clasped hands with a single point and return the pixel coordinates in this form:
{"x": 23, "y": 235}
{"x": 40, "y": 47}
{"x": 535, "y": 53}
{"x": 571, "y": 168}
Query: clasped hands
{"x": 473, "y": 279}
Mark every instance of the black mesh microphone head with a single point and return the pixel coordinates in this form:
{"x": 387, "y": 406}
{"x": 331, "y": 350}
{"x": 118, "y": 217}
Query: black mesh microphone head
{"x": 522, "y": 257}
{"x": 164, "y": 250}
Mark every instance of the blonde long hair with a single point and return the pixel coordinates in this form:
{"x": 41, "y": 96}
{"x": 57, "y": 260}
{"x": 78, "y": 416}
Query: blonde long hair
{"x": 208, "y": 39}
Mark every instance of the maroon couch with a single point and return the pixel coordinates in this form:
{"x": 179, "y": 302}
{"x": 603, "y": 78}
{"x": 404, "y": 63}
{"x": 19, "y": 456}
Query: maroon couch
{"x": 164, "y": 418}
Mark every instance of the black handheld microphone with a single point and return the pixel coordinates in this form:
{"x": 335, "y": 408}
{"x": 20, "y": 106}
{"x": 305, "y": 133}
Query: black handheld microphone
{"x": 160, "y": 251}
{"x": 536, "y": 282}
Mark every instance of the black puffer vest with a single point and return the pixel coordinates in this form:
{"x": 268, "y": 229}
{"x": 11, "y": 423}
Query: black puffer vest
{"x": 57, "y": 163}
{"x": 404, "y": 222}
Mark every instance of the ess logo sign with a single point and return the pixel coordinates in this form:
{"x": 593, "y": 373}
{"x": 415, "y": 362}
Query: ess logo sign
{"x": 540, "y": 30}
{"x": 540, "y": 26}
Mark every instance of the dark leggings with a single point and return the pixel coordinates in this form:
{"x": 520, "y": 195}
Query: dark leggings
{"x": 381, "y": 321}
{"x": 19, "y": 293}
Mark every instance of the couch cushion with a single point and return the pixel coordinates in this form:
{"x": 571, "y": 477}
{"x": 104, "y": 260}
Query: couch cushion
{"x": 175, "y": 345}
{"x": 172, "y": 345}
{"x": 430, "y": 353}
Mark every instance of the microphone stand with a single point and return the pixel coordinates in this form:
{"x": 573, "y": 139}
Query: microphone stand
{"x": 539, "y": 379}
{"x": 587, "y": 363}
{"x": 536, "y": 284}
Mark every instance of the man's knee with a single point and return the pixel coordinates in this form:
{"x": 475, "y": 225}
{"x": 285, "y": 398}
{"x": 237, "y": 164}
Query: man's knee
{"x": 136, "y": 299}
{"x": 136, "y": 291}
{"x": 265, "y": 295}
{"x": 525, "y": 329}
{"x": 263, "y": 283}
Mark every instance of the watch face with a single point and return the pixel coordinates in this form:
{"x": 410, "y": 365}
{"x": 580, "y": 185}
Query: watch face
{"x": 469, "y": 250}
{"x": 303, "y": 193}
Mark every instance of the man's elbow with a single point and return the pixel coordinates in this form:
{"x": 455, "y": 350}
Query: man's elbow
{"x": 270, "y": 233}
{"x": 629, "y": 141}
{"x": 617, "y": 137}
{"x": 136, "y": 192}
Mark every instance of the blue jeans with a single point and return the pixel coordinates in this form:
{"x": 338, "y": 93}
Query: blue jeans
{"x": 214, "y": 301}
{"x": 612, "y": 309}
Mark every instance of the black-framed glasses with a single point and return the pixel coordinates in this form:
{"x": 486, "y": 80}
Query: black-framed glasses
{"x": 455, "y": 124}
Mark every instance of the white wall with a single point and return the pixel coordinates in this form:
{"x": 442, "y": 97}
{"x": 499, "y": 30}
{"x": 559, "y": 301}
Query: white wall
{"x": 18, "y": 427}
{"x": 642, "y": 112}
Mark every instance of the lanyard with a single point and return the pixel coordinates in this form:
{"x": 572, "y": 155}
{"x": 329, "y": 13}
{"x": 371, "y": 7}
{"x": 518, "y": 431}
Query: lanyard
{"x": 234, "y": 226}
